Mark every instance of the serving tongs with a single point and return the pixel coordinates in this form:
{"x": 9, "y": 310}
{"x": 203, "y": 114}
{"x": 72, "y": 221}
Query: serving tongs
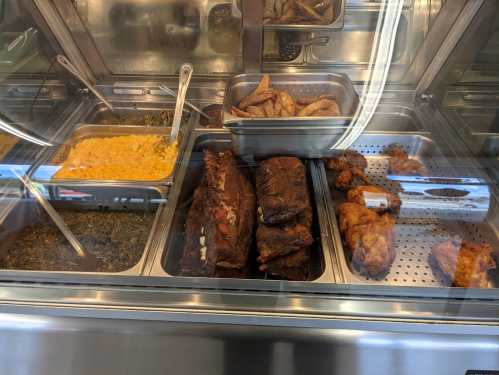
{"x": 169, "y": 91}
{"x": 184, "y": 79}
{"x": 72, "y": 69}
{"x": 89, "y": 262}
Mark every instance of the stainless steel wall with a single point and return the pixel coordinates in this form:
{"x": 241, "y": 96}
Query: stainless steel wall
{"x": 41, "y": 345}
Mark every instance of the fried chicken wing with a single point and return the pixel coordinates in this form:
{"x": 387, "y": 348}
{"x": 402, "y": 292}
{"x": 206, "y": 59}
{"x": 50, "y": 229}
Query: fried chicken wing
{"x": 255, "y": 99}
{"x": 465, "y": 263}
{"x": 255, "y": 111}
{"x": 316, "y": 106}
{"x": 263, "y": 86}
{"x": 288, "y": 103}
{"x": 375, "y": 197}
{"x": 400, "y": 163}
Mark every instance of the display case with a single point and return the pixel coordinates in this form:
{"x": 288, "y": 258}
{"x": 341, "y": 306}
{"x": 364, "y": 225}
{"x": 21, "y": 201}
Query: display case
{"x": 330, "y": 204}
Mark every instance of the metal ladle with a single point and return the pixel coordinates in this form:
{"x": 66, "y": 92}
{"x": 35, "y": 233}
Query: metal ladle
{"x": 89, "y": 261}
{"x": 72, "y": 69}
{"x": 169, "y": 91}
{"x": 184, "y": 79}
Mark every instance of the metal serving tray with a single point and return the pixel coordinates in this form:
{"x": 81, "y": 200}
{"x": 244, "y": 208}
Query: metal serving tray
{"x": 128, "y": 108}
{"x": 45, "y": 168}
{"x": 167, "y": 261}
{"x": 337, "y": 22}
{"x": 22, "y": 212}
{"x": 296, "y": 84}
{"x": 315, "y": 141}
{"x": 415, "y": 235}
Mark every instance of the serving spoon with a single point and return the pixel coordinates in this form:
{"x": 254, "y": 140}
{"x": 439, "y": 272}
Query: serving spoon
{"x": 89, "y": 262}
{"x": 184, "y": 79}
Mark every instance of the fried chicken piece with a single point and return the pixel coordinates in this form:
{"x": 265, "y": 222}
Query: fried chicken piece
{"x": 372, "y": 245}
{"x": 255, "y": 99}
{"x": 268, "y": 108}
{"x": 348, "y": 159}
{"x": 350, "y": 178}
{"x": 306, "y": 100}
{"x": 238, "y": 113}
{"x": 352, "y": 214}
{"x": 309, "y": 11}
{"x": 316, "y": 106}
{"x": 288, "y": 103}
{"x": 255, "y": 111}
{"x": 263, "y": 86}
{"x": 465, "y": 263}
{"x": 400, "y": 163}
{"x": 376, "y": 198}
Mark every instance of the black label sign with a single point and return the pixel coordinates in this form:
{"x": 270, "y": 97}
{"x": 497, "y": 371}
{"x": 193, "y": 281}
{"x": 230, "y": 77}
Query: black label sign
{"x": 482, "y": 372}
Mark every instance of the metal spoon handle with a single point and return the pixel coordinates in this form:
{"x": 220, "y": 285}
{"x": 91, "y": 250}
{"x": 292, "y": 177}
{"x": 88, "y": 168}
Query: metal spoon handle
{"x": 72, "y": 69}
{"x": 169, "y": 91}
{"x": 184, "y": 80}
{"x": 57, "y": 219}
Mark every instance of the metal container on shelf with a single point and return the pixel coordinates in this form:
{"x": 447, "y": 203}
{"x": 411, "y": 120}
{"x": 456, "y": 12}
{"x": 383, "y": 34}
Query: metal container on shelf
{"x": 301, "y": 136}
{"x": 169, "y": 253}
{"x": 337, "y": 14}
{"x": 23, "y": 213}
{"x": 296, "y": 84}
{"x": 420, "y": 224}
{"x": 46, "y": 167}
{"x": 316, "y": 140}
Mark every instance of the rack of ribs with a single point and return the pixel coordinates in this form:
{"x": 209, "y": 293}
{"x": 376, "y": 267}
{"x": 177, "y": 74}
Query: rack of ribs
{"x": 221, "y": 220}
{"x": 284, "y": 234}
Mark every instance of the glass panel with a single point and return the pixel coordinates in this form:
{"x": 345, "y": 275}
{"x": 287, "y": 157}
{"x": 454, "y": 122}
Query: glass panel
{"x": 140, "y": 37}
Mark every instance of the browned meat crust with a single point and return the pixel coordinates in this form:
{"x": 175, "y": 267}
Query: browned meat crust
{"x": 276, "y": 241}
{"x": 465, "y": 263}
{"x": 281, "y": 187}
{"x": 369, "y": 236}
{"x": 290, "y": 267}
{"x": 221, "y": 218}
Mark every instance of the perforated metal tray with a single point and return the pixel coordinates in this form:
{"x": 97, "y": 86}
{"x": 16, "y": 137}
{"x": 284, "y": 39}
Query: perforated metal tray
{"x": 415, "y": 236}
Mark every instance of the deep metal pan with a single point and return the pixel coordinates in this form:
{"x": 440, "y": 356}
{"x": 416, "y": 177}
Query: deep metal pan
{"x": 167, "y": 260}
{"x": 45, "y": 169}
{"x": 418, "y": 228}
{"x": 338, "y": 20}
{"x": 20, "y": 213}
{"x": 296, "y": 84}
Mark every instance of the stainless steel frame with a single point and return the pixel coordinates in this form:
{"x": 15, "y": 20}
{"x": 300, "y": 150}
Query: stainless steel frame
{"x": 138, "y": 324}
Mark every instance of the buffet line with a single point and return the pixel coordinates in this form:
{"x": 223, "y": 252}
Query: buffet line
{"x": 233, "y": 203}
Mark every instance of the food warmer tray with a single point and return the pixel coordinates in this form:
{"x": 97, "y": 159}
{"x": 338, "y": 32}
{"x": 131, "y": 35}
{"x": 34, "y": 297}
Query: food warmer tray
{"x": 339, "y": 7}
{"x": 415, "y": 235}
{"x": 45, "y": 167}
{"x": 167, "y": 258}
{"x": 296, "y": 84}
{"x": 19, "y": 213}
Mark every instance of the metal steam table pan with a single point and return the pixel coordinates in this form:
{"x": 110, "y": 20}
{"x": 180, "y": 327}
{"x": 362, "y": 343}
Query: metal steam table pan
{"x": 424, "y": 220}
{"x": 167, "y": 260}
